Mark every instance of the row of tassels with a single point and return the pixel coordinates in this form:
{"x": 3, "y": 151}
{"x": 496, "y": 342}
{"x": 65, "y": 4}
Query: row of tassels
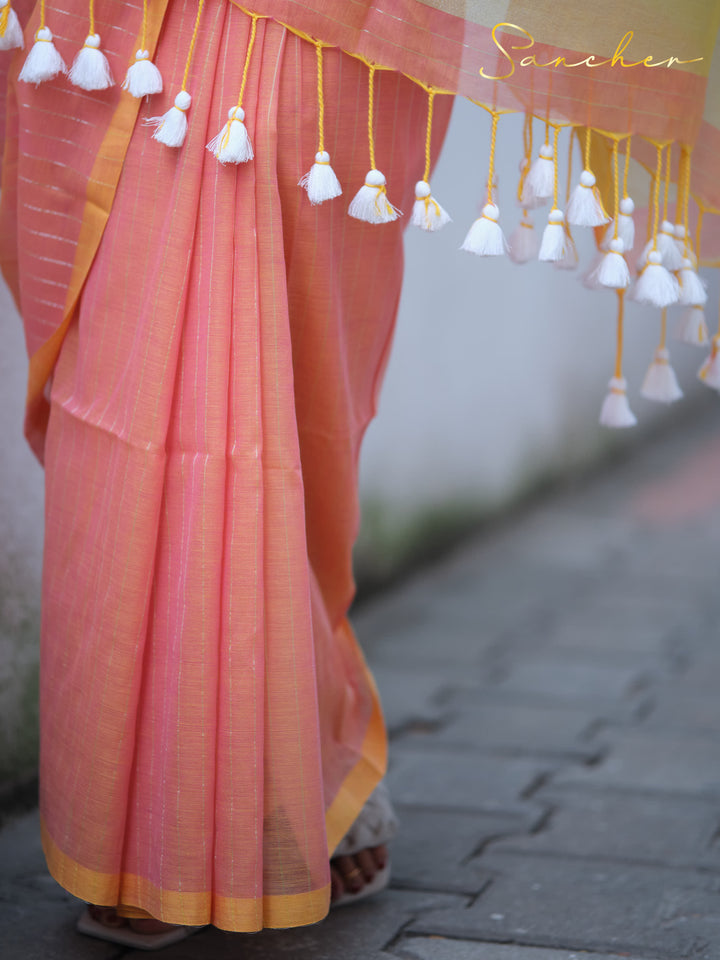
{"x": 667, "y": 267}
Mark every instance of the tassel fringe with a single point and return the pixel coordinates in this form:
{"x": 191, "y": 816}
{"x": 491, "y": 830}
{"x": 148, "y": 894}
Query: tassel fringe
{"x": 43, "y": 62}
{"x": 171, "y": 127}
{"x": 90, "y": 69}
{"x": 660, "y": 383}
{"x": 691, "y": 327}
{"x": 485, "y": 236}
{"x": 585, "y": 208}
{"x": 143, "y": 78}
{"x": 11, "y": 35}
{"x": 232, "y": 144}
{"x": 656, "y": 285}
{"x": 427, "y": 212}
{"x": 616, "y": 412}
{"x": 552, "y": 246}
{"x": 371, "y": 204}
{"x": 320, "y": 181}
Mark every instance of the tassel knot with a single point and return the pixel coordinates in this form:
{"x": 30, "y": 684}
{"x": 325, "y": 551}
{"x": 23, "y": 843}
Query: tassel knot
{"x": 11, "y": 35}
{"x": 660, "y": 383}
{"x": 427, "y": 212}
{"x": 656, "y": 285}
{"x": 320, "y": 181}
{"x": 90, "y": 69}
{"x": 232, "y": 144}
{"x": 171, "y": 127}
{"x": 616, "y": 410}
{"x": 485, "y": 236}
{"x": 370, "y": 203}
{"x": 43, "y": 62}
{"x": 143, "y": 77}
{"x": 552, "y": 246}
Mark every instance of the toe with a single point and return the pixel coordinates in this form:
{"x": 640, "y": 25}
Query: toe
{"x": 380, "y": 856}
{"x": 337, "y": 887}
{"x": 351, "y": 873}
{"x": 366, "y": 861}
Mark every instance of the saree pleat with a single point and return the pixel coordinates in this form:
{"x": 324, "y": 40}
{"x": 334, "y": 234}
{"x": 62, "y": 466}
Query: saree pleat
{"x": 209, "y": 728}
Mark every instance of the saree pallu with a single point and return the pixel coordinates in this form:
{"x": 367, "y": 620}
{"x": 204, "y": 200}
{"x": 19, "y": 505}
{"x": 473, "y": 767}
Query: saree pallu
{"x": 209, "y": 729}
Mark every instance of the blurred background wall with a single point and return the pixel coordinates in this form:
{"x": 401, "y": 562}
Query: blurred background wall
{"x": 495, "y": 386}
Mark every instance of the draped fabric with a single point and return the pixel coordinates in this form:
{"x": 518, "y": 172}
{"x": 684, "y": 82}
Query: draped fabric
{"x": 209, "y": 729}
{"x": 206, "y": 351}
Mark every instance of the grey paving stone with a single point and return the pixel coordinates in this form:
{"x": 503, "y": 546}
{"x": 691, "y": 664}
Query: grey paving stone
{"x": 555, "y": 677}
{"x": 37, "y": 917}
{"x": 573, "y": 905}
{"x": 679, "y": 711}
{"x": 516, "y": 729}
{"x": 462, "y": 780}
{"x": 410, "y": 696}
{"x": 442, "y": 948}
{"x": 357, "y": 932}
{"x": 431, "y": 847}
{"x": 644, "y": 760}
{"x": 664, "y": 829}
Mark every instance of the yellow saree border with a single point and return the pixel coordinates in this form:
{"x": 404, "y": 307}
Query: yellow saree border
{"x": 189, "y": 909}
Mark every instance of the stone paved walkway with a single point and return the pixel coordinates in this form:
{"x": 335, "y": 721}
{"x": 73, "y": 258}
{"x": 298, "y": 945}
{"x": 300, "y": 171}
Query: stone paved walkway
{"x": 552, "y": 693}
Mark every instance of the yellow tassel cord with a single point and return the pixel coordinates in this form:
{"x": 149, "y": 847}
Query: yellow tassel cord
{"x": 686, "y": 161}
{"x": 668, "y": 161}
{"x": 659, "y": 147}
{"x": 627, "y": 166}
{"x": 370, "y": 203}
{"x": 321, "y": 97}
{"x": 556, "y": 133}
{"x": 568, "y": 183}
{"x": 4, "y": 16}
{"x": 171, "y": 128}
{"x": 527, "y": 156}
{"x": 91, "y": 17}
{"x": 616, "y": 185}
{"x": 663, "y": 329}
{"x": 143, "y": 29}
{"x": 193, "y": 40}
{"x": 619, "y": 336}
{"x": 243, "y": 81}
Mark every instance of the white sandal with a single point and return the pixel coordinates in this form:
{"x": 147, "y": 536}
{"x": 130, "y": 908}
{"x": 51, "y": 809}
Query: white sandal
{"x": 375, "y": 825}
{"x": 127, "y": 937}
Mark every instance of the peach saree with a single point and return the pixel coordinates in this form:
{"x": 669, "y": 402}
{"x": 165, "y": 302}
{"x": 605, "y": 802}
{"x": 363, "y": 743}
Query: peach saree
{"x": 206, "y": 350}
{"x": 209, "y": 729}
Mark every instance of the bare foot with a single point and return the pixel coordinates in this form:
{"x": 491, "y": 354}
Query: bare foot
{"x": 349, "y": 874}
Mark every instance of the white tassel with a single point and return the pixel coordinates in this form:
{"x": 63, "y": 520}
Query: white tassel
{"x": 656, "y": 285}
{"x": 427, "y": 212}
{"x": 613, "y": 270}
{"x": 485, "y": 236}
{"x": 11, "y": 35}
{"x": 679, "y": 233}
{"x": 616, "y": 410}
{"x": 671, "y": 256}
{"x": 43, "y": 62}
{"x": 540, "y": 179}
{"x": 626, "y": 226}
{"x": 660, "y": 382}
{"x": 709, "y": 372}
{"x": 320, "y": 180}
{"x": 371, "y": 204}
{"x": 585, "y": 207}
{"x": 692, "y": 289}
{"x": 691, "y": 327}
{"x": 171, "y": 127}
{"x": 90, "y": 69}
{"x": 569, "y": 259}
{"x": 232, "y": 144}
{"x": 143, "y": 77}
{"x": 524, "y": 244}
{"x": 552, "y": 246}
